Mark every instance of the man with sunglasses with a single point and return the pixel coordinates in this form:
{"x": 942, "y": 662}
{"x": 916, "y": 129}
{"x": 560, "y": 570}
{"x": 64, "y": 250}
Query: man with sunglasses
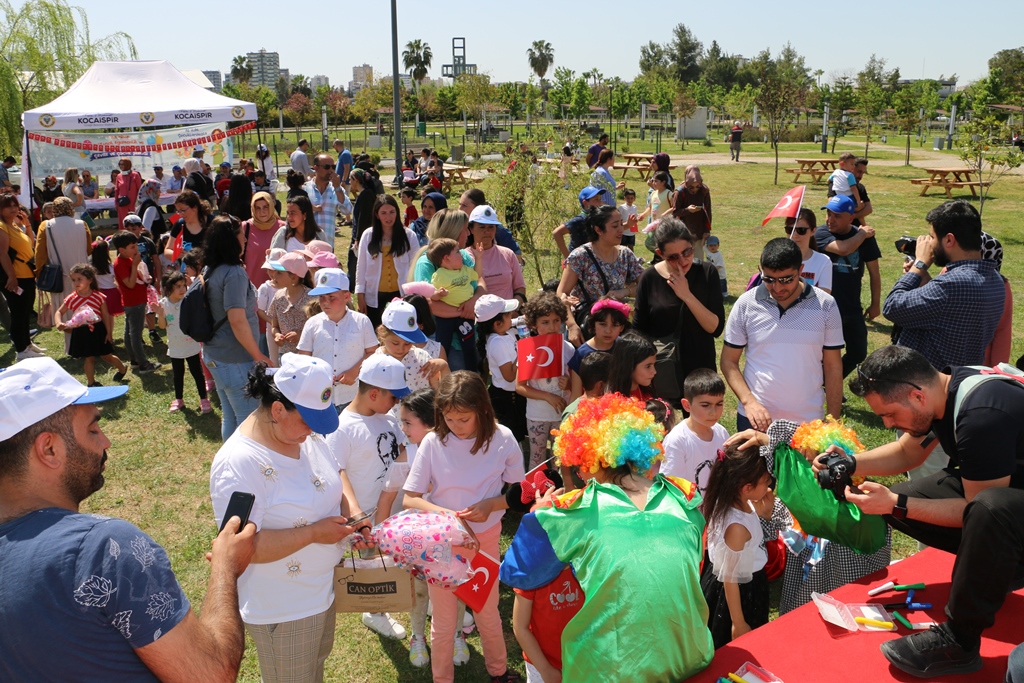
{"x": 327, "y": 195}
{"x": 852, "y": 251}
{"x": 793, "y": 338}
{"x": 974, "y": 508}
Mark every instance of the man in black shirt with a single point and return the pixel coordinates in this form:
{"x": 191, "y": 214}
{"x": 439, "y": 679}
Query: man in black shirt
{"x": 851, "y": 250}
{"x": 974, "y": 508}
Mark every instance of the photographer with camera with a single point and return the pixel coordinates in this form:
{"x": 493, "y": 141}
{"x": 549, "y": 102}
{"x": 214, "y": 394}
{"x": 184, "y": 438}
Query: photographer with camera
{"x": 952, "y": 318}
{"x": 974, "y": 508}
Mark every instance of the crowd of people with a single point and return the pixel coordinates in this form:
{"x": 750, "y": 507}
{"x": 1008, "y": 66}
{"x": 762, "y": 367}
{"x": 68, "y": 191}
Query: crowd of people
{"x": 349, "y": 393}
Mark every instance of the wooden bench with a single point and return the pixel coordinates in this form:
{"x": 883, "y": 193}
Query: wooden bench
{"x": 947, "y": 185}
{"x": 815, "y": 173}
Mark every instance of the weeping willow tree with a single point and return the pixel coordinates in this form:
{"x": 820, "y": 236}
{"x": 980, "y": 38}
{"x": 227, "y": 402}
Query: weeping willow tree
{"x": 45, "y": 46}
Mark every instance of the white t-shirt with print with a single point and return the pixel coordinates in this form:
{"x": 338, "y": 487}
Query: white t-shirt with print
{"x": 365, "y": 446}
{"x": 691, "y": 457}
{"x": 539, "y": 410}
{"x": 414, "y": 362}
{"x": 817, "y": 270}
{"x": 290, "y": 493}
{"x": 501, "y": 349}
{"x": 342, "y": 344}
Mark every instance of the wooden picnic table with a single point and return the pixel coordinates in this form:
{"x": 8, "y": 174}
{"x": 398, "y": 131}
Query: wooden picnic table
{"x": 947, "y": 179}
{"x": 643, "y": 169}
{"x": 455, "y": 175}
{"x": 816, "y": 168}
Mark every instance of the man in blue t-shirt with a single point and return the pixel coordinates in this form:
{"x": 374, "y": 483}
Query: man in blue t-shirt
{"x": 344, "y": 161}
{"x": 852, "y": 250}
{"x": 576, "y": 227}
{"x": 88, "y": 597}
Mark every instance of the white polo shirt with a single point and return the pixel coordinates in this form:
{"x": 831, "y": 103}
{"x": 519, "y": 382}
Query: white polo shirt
{"x": 342, "y": 344}
{"x": 784, "y": 350}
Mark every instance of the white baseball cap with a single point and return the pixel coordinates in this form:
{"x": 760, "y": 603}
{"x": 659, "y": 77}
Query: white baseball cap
{"x": 274, "y": 255}
{"x": 328, "y": 281}
{"x": 308, "y": 383}
{"x": 384, "y": 372}
{"x": 36, "y": 388}
{"x": 484, "y": 214}
{"x": 490, "y": 306}
{"x": 400, "y": 318}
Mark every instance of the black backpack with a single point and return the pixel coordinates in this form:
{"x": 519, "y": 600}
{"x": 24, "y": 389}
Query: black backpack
{"x": 196, "y": 319}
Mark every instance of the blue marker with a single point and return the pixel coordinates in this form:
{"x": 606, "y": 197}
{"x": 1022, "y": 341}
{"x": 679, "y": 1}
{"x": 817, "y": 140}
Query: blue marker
{"x": 919, "y": 605}
{"x": 910, "y": 596}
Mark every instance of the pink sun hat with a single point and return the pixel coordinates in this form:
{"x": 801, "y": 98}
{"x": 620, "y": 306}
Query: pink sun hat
{"x": 323, "y": 259}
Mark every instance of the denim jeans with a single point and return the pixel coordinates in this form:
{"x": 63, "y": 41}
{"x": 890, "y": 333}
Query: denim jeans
{"x": 134, "y": 323}
{"x": 235, "y": 406}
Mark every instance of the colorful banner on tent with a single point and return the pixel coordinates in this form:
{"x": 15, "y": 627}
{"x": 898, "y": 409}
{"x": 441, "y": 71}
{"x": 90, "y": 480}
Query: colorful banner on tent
{"x": 54, "y": 152}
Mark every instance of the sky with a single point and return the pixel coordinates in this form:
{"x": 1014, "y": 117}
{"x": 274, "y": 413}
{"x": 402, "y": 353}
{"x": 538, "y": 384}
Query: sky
{"x": 924, "y": 39}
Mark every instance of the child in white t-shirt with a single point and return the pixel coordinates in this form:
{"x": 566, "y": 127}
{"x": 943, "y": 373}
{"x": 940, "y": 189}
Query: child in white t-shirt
{"x": 692, "y": 446}
{"x": 715, "y": 258}
{"x": 181, "y": 348}
{"x": 496, "y": 347}
{"x": 844, "y": 182}
{"x": 366, "y": 444}
{"x": 264, "y": 295}
{"x": 546, "y": 398}
{"x": 398, "y": 334}
{"x": 629, "y": 212}
{"x": 337, "y": 335}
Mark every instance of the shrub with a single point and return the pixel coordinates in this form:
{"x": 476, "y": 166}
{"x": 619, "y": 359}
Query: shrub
{"x": 799, "y": 133}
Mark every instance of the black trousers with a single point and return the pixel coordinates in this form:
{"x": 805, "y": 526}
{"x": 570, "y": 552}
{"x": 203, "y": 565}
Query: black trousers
{"x": 989, "y": 549}
{"x": 20, "y": 306}
{"x": 195, "y": 368}
{"x": 855, "y": 335}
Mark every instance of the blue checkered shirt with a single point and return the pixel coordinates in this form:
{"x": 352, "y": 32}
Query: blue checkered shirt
{"x": 952, "y": 318}
{"x": 326, "y": 219}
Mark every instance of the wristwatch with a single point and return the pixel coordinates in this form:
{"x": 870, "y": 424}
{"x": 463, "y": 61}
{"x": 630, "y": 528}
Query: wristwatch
{"x": 899, "y": 511}
{"x": 920, "y": 265}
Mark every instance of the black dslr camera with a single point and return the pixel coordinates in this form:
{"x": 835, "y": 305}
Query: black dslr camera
{"x": 907, "y": 246}
{"x": 835, "y": 477}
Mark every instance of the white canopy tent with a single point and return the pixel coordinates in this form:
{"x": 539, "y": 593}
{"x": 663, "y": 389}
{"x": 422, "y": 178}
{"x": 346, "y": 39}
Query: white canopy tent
{"x": 129, "y": 95}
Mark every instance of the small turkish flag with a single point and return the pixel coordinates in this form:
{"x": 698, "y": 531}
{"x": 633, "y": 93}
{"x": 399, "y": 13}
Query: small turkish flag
{"x": 788, "y": 206}
{"x": 538, "y": 355}
{"x": 483, "y": 576}
{"x": 178, "y": 246}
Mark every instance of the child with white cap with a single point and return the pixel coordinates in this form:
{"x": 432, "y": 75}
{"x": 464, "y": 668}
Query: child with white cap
{"x": 264, "y": 295}
{"x": 287, "y": 310}
{"x": 398, "y": 332}
{"x": 365, "y": 445}
{"x": 496, "y": 346}
{"x": 342, "y": 337}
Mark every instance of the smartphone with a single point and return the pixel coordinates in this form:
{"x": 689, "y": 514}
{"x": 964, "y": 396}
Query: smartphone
{"x": 240, "y": 505}
{"x": 363, "y": 517}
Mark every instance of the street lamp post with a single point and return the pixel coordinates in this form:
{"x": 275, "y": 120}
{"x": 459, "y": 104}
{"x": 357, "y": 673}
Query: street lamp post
{"x": 397, "y": 102}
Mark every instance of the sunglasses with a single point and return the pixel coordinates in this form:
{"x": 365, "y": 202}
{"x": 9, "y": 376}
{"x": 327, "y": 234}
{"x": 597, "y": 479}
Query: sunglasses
{"x": 799, "y": 231}
{"x": 867, "y": 383}
{"x": 327, "y": 166}
{"x": 685, "y": 253}
{"x": 784, "y": 280}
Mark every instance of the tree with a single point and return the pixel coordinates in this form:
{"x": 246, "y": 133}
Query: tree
{"x": 982, "y": 144}
{"x": 541, "y": 56}
{"x": 1011, "y": 64}
{"x": 582, "y": 96}
{"x": 840, "y": 100}
{"x": 417, "y": 58}
{"x": 337, "y": 105}
{"x": 684, "y": 106}
{"x": 907, "y": 115}
{"x": 871, "y": 101}
{"x": 300, "y": 84}
{"x": 283, "y": 89}
{"x": 561, "y": 90}
{"x": 45, "y": 46}
{"x": 473, "y": 93}
{"x": 653, "y": 57}
{"x": 684, "y": 53}
{"x": 300, "y": 108}
{"x": 780, "y": 83}
{"x": 241, "y": 70}
{"x": 717, "y": 68}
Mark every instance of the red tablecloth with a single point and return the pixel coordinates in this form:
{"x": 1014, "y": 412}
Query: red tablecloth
{"x": 800, "y": 646}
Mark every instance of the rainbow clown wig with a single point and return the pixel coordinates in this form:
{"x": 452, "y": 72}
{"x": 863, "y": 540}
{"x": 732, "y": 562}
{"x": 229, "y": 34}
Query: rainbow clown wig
{"x": 820, "y": 434}
{"x": 609, "y": 432}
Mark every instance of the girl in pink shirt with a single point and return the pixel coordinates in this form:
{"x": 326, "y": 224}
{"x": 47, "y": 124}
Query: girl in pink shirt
{"x": 463, "y": 464}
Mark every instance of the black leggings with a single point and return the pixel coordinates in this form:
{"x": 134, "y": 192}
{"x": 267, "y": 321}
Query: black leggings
{"x": 20, "y": 306}
{"x": 195, "y": 367}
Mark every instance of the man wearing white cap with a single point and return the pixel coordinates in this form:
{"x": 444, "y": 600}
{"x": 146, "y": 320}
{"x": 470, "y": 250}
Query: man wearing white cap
{"x": 365, "y": 445}
{"x": 94, "y": 589}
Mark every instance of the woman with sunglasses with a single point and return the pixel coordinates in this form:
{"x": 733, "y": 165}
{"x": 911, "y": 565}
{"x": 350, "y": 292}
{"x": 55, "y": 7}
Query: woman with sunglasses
{"x": 679, "y": 307}
{"x": 816, "y": 268}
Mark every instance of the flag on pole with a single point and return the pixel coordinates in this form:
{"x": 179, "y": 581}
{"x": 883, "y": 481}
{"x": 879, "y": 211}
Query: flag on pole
{"x": 484, "y": 574}
{"x": 178, "y": 246}
{"x": 536, "y": 357}
{"x": 788, "y": 206}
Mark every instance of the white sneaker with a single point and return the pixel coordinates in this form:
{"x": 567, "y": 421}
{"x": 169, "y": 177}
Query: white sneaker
{"x": 384, "y": 625}
{"x": 461, "y": 655}
{"x": 418, "y": 654}
{"x": 37, "y": 349}
{"x": 29, "y": 353}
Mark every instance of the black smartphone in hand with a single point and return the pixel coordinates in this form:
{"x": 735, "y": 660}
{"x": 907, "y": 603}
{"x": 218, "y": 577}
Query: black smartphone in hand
{"x": 240, "y": 505}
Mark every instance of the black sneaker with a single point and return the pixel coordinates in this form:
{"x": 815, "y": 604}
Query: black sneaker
{"x": 931, "y": 653}
{"x": 119, "y": 376}
{"x": 154, "y": 337}
{"x": 509, "y": 676}
{"x": 152, "y": 367}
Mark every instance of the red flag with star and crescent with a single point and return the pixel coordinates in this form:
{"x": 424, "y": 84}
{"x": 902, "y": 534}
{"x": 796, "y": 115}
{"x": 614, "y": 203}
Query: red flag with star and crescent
{"x": 788, "y": 206}
{"x": 483, "y": 576}
{"x": 537, "y": 357}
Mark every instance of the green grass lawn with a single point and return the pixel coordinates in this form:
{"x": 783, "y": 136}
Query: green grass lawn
{"x": 158, "y": 472}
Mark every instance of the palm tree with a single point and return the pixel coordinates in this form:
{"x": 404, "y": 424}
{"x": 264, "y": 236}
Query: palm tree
{"x": 541, "y": 56}
{"x": 417, "y": 58}
{"x": 241, "y": 70}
